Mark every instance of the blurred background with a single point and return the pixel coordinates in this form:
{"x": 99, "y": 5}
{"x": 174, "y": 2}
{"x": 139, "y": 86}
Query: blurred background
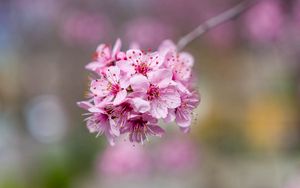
{"x": 245, "y": 133}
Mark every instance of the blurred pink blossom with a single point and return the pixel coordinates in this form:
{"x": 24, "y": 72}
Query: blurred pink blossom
{"x": 177, "y": 155}
{"x": 296, "y": 13}
{"x": 147, "y": 32}
{"x": 124, "y": 161}
{"x": 84, "y": 28}
{"x": 264, "y": 22}
{"x": 223, "y": 36}
{"x": 293, "y": 182}
{"x": 183, "y": 13}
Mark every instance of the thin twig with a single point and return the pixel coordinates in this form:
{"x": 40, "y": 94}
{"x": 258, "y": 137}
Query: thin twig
{"x": 214, "y": 22}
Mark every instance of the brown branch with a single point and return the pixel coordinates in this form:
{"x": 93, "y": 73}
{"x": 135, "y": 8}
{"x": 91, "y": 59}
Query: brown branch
{"x": 214, "y": 22}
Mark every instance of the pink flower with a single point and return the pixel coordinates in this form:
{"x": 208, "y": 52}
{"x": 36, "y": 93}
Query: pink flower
{"x": 183, "y": 113}
{"x": 138, "y": 62}
{"x": 136, "y": 89}
{"x": 110, "y": 86}
{"x": 124, "y": 161}
{"x": 104, "y": 57}
{"x": 157, "y": 90}
{"x": 141, "y": 126}
{"x": 180, "y": 63}
{"x": 99, "y": 122}
{"x": 119, "y": 113}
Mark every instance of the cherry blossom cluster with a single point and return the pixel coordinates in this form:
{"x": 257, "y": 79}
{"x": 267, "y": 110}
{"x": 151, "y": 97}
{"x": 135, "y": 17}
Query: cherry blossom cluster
{"x": 132, "y": 90}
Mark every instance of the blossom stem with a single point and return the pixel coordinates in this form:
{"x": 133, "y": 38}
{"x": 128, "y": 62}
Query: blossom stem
{"x": 215, "y": 21}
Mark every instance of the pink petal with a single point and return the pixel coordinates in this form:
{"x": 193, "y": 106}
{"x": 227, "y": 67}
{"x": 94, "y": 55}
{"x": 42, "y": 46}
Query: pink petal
{"x": 120, "y": 97}
{"x": 117, "y": 48}
{"x": 96, "y": 110}
{"x": 93, "y": 66}
{"x": 139, "y": 83}
{"x": 149, "y": 118}
{"x": 140, "y": 105}
{"x": 167, "y": 45}
{"x": 183, "y": 122}
{"x": 126, "y": 67}
{"x": 120, "y": 56}
{"x": 133, "y": 55}
{"x": 113, "y": 74}
{"x": 114, "y": 130}
{"x": 102, "y": 101}
{"x": 170, "y": 98}
{"x": 124, "y": 82}
{"x": 104, "y": 50}
{"x": 99, "y": 87}
{"x": 180, "y": 87}
{"x": 185, "y": 129}
{"x": 162, "y": 78}
{"x": 183, "y": 118}
{"x": 194, "y": 99}
{"x": 111, "y": 139}
{"x": 85, "y": 105}
{"x": 92, "y": 127}
{"x": 155, "y": 60}
{"x": 171, "y": 59}
{"x": 187, "y": 59}
{"x": 171, "y": 116}
{"x": 158, "y": 109}
{"x": 88, "y": 106}
{"x": 156, "y": 130}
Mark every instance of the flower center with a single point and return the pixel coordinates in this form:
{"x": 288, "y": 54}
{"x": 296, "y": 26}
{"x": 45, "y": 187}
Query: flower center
{"x": 115, "y": 88}
{"x": 110, "y": 62}
{"x": 124, "y": 108}
{"x": 118, "y": 111}
{"x": 153, "y": 92}
{"x": 95, "y": 56}
{"x": 139, "y": 126}
{"x": 109, "y": 109}
{"x": 142, "y": 68}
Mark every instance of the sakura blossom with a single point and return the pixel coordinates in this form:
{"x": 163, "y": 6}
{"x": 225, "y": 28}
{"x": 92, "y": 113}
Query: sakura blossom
{"x": 132, "y": 90}
{"x": 105, "y": 56}
{"x": 140, "y": 126}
